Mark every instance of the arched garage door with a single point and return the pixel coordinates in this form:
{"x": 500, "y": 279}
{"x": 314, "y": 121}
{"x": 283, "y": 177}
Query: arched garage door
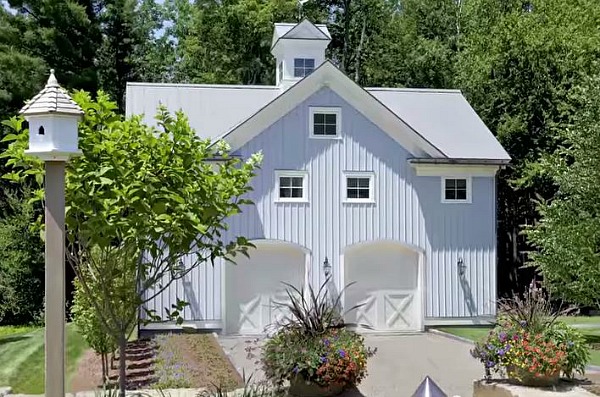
{"x": 387, "y": 286}
{"x": 253, "y": 286}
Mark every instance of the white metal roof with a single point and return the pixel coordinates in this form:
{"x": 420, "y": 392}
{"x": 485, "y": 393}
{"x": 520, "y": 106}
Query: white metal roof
{"x": 443, "y": 118}
{"x": 446, "y": 119}
{"x": 52, "y": 99}
{"x": 211, "y": 109}
{"x": 303, "y": 30}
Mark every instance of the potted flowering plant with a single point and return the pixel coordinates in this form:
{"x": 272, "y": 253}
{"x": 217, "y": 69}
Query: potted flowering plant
{"x": 530, "y": 346}
{"x": 312, "y": 349}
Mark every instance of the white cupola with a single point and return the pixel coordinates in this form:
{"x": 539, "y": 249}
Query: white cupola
{"x": 299, "y": 48}
{"x": 53, "y": 117}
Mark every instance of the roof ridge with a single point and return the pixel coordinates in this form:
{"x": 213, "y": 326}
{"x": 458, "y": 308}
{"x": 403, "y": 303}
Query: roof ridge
{"x": 419, "y": 90}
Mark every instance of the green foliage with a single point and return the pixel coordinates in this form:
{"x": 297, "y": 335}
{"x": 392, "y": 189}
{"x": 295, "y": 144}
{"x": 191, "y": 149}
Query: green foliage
{"x": 337, "y": 356}
{"x": 532, "y": 310}
{"x": 518, "y": 67}
{"x": 578, "y": 352}
{"x": 250, "y": 389}
{"x": 309, "y": 312}
{"x": 139, "y": 200}
{"x": 89, "y": 323}
{"x": 567, "y": 237}
{"x": 21, "y": 265}
{"x": 529, "y": 341}
{"x": 417, "y": 47}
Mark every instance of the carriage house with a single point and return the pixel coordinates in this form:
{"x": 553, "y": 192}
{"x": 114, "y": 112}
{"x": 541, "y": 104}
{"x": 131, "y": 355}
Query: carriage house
{"x": 391, "y": 188}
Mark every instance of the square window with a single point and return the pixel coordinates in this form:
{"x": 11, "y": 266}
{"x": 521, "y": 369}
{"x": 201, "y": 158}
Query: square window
{"x": 359, "y": 187}
{"x": 303, "y": 66}
{"x": 291, "y": 185}
{"x": 456, "y": 190}
{"x": 325, "y": 122}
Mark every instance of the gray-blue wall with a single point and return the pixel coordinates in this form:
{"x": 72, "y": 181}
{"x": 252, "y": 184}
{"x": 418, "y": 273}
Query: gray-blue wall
{"x": 407, "y": 208}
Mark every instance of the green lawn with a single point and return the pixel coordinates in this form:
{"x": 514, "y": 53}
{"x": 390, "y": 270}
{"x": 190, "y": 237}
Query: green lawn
{"x": 22, "y": 353}
{"x": 475, "y": 333}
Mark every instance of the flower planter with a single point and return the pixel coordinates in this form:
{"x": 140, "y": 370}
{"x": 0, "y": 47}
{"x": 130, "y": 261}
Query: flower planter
{"x": 519, "y": 376}
{"x": 300, "y": 387}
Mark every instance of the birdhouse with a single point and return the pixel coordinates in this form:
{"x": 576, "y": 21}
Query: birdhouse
{"x": 53, "y": 117}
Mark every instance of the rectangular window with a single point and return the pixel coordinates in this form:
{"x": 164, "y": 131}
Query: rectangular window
{"x": 456, "y": 190}
{"x": 303, "y": 66}
{"x": 291, "y": 185}
{"x": 359, "y": 187}
{"x": 325, "y": 122}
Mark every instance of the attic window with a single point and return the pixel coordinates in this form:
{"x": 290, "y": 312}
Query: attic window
{"x": 303, "y": 66}
{"x": 41, "y": 130}
{"x": 325, "y": 122}
{"x": 456, "y": 190}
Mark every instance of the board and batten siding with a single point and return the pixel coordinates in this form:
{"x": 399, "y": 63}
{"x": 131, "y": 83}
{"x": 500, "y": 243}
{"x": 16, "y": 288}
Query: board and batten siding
{"x": 407, "y": 208}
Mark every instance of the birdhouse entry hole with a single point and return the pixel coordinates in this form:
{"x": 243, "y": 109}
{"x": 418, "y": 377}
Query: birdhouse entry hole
{"x": 41, "y": 130}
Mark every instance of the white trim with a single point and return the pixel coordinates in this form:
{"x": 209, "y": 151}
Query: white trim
{"x": 325, "y": 110}
{"x": 455, "y": 169}
{"x": 358, "y": 174}
{"x": 292, "y": 174}
{"x": 479, "y": 320}
{"x": 187, "y": 324}
{"x": 327, "y": 75}
{"x": 469, "y": 198}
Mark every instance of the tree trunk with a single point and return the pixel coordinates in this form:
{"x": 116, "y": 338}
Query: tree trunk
{"x": 359, "y": 50}
{"x": 103, "y": 357}
{"x": 346, "y": 47}
{"x": 122, "y": 364}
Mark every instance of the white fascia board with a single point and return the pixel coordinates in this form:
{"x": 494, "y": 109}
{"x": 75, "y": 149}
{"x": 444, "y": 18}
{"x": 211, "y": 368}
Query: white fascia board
{"x": 462, "y": 170}
{"x": 327, "y": 75}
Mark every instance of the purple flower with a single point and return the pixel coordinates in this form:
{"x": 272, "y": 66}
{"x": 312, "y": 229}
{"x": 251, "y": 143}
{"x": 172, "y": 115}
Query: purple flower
{"x": 326, "y": 342}
{"x": 523, "y": 323}
{"x": 323, "y": 359}
{"x": 296, "y": 369}
{"x": 502, "y": 336}
{"x": 342, "y": 353}
{"x": 490, "y": 364}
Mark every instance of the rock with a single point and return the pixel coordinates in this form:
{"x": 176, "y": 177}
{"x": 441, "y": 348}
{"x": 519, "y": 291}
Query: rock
{"x": 5, "y": 391}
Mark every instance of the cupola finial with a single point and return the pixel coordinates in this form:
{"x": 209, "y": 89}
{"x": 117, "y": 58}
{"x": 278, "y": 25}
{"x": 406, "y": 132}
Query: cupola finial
{"x": 52, "y": 82}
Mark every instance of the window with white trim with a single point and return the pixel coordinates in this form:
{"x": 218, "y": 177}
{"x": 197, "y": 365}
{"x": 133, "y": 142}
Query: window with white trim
{"x": 359, "y": 187}
{"x": 325, "y": 122}
{"x": 291, "y": 185}
{"x": 456, "y": 189}
{"x": 303, "y": 66}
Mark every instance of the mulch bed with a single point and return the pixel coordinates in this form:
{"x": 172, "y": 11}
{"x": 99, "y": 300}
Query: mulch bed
{"x": 205, "y": 362}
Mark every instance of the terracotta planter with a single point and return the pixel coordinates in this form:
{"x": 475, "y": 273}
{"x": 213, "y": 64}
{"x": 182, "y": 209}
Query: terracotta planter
{"x": 300, "y": 387}
{"x": 525, "y": 378}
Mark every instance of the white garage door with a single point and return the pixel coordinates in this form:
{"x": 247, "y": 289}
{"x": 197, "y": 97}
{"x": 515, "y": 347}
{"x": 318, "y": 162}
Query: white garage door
{"x": 386, "y": 277}
{"x": 253, "y": 287}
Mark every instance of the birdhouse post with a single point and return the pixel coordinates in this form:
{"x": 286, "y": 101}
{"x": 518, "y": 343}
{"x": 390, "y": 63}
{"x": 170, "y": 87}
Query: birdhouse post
{"x": 53, "y": 118}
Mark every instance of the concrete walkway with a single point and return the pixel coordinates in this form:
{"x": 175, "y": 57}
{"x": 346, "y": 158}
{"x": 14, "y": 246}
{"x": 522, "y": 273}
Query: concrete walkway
{"x": 401, "y": 363}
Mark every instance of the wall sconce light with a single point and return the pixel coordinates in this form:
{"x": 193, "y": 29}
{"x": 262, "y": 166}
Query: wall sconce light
{"x": 326, "y": 267}
{"x": 461, "y": 266}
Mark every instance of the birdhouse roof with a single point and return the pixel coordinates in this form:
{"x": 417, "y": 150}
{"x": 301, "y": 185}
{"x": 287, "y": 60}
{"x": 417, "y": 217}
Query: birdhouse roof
{"x": 52, "y": 99}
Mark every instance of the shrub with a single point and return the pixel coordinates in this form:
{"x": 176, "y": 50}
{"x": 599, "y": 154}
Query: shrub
{"x": 337, "y": 356}
{"x": 529, "y": 343}
{"x": 314, "y": 344}
{"x": 21, "y": 264}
